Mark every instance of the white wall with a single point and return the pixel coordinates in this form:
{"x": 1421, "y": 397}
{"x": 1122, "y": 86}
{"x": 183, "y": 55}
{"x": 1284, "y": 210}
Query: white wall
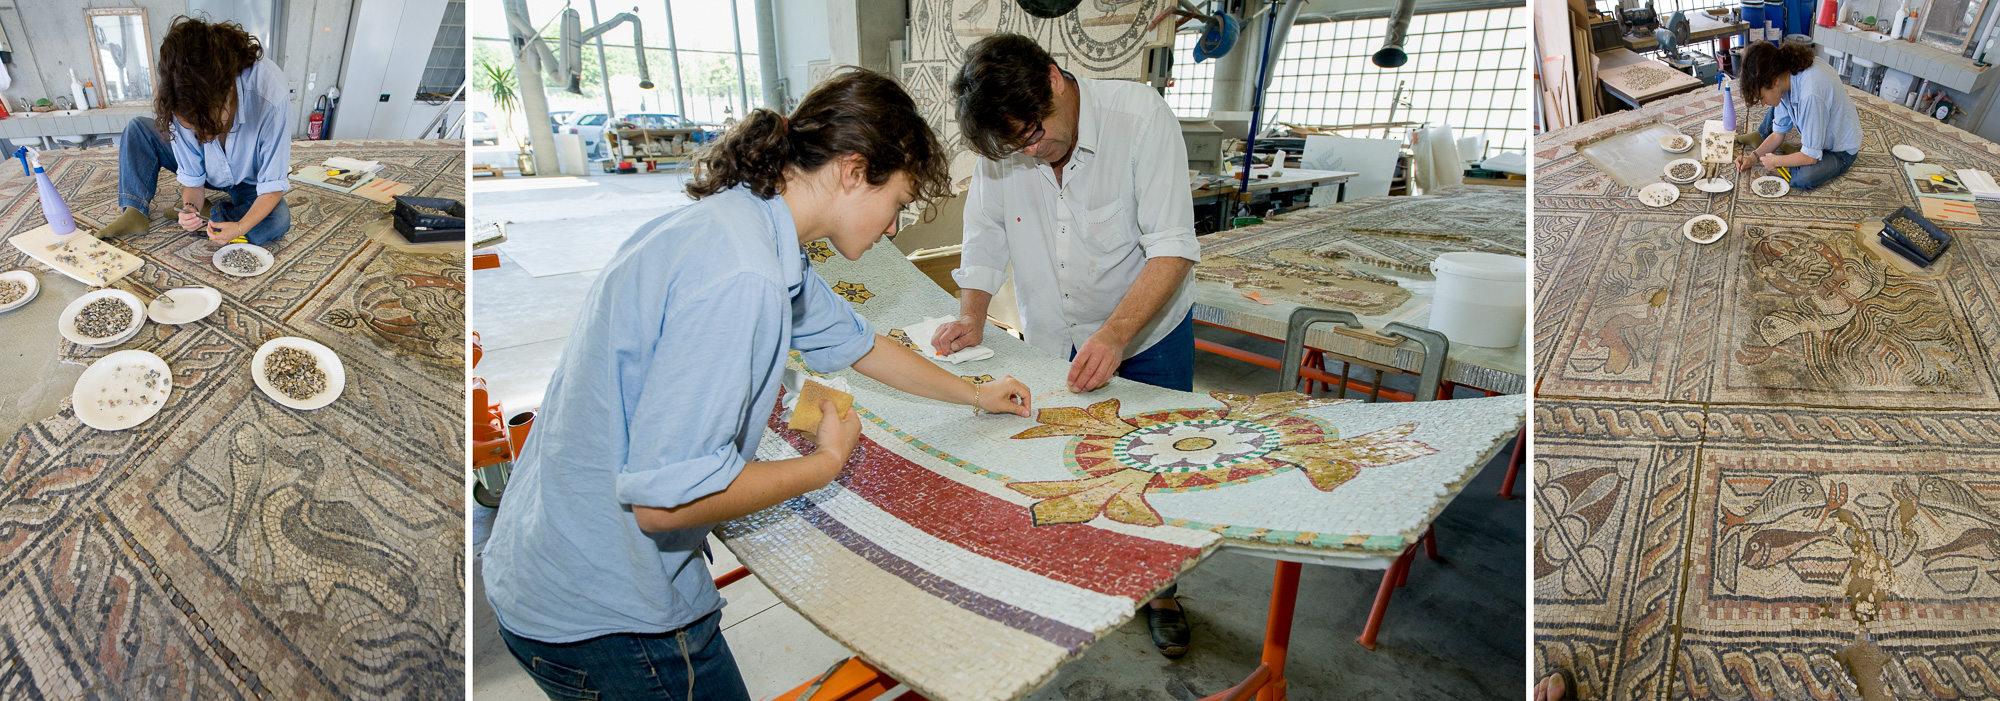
{"x": 49, "y": 37}
{"x": 389, "y": 42}
{"x": 803, "y": 35}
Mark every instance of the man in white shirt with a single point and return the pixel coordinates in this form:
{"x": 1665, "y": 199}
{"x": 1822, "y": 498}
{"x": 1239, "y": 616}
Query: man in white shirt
{"x": 1083, "y": 188}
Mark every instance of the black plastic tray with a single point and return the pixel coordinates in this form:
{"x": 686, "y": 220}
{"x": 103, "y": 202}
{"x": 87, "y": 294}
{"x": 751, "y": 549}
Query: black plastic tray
{"x": 423, "y": 227}
{"x": 1943, "y": 239}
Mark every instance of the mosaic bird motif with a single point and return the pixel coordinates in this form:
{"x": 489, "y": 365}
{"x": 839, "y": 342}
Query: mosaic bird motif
{"x": 1119, "y": 459}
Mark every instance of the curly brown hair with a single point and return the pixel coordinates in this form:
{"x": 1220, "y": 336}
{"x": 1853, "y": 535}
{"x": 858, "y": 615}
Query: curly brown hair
{"x": 857, "y": 111}
{"x": 199, "y": 63}
{"x": 1002, "y": 90}
{"x": 1764, "y": 62}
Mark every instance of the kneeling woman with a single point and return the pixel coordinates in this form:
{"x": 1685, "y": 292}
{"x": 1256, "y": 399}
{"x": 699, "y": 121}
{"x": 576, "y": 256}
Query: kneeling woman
{"x": 649, "y": 430}
{"x": 1803, "y": 94}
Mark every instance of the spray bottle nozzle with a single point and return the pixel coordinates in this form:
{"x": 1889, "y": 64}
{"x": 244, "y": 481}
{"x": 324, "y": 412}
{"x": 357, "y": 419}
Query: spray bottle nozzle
{"x": 22, "y": 153}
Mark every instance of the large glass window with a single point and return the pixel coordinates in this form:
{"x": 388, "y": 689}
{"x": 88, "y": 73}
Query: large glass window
{"x": 1466, "y": 69}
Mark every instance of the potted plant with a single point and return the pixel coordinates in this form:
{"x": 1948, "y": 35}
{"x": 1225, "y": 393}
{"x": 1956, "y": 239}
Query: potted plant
{"x": 500, "y": 82}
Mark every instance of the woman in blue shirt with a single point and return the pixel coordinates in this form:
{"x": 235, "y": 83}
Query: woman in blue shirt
{"x": 220, "y": 122}
{"x": 649, "y": 430}
{"x": 1805, "y": 95}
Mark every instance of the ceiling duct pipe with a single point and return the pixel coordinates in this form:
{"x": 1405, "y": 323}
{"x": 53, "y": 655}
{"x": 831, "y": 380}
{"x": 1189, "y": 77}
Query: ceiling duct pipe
{"x": 1391, "y": 55}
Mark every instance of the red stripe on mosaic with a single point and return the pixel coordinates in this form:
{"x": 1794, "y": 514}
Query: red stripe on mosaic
{"x": 1085, "y": 556}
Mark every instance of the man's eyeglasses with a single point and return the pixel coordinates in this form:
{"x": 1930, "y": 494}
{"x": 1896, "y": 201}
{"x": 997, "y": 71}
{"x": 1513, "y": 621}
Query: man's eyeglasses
{"x": 1033, "y": 138}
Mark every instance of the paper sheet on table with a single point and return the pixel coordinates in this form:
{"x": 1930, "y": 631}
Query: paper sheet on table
{"x": 920, "y": 333}
{"x": 1939, "y": 209}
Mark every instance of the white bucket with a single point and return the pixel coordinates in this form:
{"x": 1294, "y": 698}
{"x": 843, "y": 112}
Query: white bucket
{"x": 1481, "y": 299}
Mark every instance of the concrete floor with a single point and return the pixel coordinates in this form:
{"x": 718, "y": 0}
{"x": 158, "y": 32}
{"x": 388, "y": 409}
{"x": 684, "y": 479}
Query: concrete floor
{"x": 1456, "y": 632}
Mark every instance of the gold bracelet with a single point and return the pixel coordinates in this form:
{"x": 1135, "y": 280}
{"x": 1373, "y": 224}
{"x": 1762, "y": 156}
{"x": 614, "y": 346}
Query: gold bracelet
{"x": 975, "y": 398}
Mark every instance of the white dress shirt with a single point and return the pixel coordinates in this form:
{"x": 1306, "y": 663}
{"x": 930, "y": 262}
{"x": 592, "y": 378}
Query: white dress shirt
{"x": 1077, "y": 247}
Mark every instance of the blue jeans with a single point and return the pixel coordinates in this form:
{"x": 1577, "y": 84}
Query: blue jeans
{"x": 630, "y": 666}
{"x": 141, "y": 156}
{"x": 1831, "y": 163}
{"x": 1169, "y": 363}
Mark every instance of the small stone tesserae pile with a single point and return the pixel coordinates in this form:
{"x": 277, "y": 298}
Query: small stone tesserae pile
{"x": 1684, "y": 171}
{"x": 137, "y": 387}
{"x": 1706, "y": 228}
{"x": 11, "y": 291}
{"x": 295, "y": 372}
{"x": 1644, "y": 77}
{"x": 1768, "y": 188}
{"x": 1678, "y": 142}
{"x": 241, "y": 261}
{"x": 103, "y": 318}
{"x": 1916, "y": 235}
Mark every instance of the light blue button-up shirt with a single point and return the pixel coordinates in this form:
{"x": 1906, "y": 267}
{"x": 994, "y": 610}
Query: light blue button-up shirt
{"x": 1819, "y": 107}
{"x": 661, "y": 395}
{"x": 258, "y": 148}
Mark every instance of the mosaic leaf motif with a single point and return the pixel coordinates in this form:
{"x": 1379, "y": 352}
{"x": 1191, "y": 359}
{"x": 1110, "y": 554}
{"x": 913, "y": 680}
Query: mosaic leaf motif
{"x": 1119, "y": 459}
{"x": 819, "y": 251}
{"x": 903, "y": 339}
{"x": 854, "y": 292}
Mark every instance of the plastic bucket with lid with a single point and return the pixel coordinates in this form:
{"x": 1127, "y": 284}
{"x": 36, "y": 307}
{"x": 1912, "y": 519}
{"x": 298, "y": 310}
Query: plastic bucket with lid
{"x": 1481, "y": 298}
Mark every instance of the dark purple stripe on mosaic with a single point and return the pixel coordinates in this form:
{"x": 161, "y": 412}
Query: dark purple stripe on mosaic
{"x": 1069, "y": 637}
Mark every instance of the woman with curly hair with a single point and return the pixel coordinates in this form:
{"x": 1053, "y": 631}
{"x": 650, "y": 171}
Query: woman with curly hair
{"x": 648, "y": 433}
{"x": 1806, "y": 96}
{"x": 220, "y": 122}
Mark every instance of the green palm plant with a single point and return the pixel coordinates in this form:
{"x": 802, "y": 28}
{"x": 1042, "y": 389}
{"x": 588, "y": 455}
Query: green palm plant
{"x": 499, "y": 81}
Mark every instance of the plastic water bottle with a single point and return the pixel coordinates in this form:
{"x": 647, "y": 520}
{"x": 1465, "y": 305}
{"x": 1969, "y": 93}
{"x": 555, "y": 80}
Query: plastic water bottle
{"x": 1728, "y": 109}
{"x": 54, "y": 208}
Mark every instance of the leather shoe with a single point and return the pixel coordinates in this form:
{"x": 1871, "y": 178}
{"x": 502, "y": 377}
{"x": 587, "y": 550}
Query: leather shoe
{"x": 1170, "y": 630}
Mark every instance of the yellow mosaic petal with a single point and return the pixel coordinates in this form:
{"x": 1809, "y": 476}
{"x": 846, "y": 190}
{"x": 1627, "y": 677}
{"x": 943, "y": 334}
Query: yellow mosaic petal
{"x": 1244, "y": 407}
{"x": 903, "y": 339}
{"x": 1120, "y": 495}
{"x": 819, "y": 251}
{"x": 1100, "y": 419}
{"x": 1331, "y": 464}
{"x": 854, "y": 292}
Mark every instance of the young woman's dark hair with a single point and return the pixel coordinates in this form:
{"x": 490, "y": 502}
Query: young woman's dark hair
{"x": 1763, "y": 63}
{"x": 856, "y": 111}
{"x": 199, "y": 63}
{"x": 1002, "y": 92}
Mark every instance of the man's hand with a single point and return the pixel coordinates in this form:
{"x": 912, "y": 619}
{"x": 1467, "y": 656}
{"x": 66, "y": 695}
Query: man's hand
{"x": 838, "y": 433}
{"x": 223, "y": 231}
{"x": 1096, "y": 361}
{"x": 1006, "y": 396}
{"x": 191, "y": 220}
{"x": 958, "y": 334}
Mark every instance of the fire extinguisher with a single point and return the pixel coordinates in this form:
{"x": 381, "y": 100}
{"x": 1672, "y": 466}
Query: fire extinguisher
{"x": 317, "y": 122}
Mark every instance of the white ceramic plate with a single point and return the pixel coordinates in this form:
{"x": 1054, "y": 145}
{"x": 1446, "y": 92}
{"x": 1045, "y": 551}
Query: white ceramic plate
{"x": 257, "y": 251}
{"x": 1783, "y": 186}
{"x": 1908, "y": 153}
{"x": 26, "y": 278}
{"x": 1713, "y": 185}
{"x": 190, "y": 304}
{"x": 1659, "y": 195}
{"x": 1667, "y": 142}
{"x": 1668, "y": 173}
{"x": 122, "y": 390}
{"x": 67, "y": 322}
{"x": 1688, "y": 228}
{"x": 329, "y": 363}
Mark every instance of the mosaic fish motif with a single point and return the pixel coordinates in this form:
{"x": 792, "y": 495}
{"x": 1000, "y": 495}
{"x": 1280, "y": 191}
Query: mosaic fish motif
{"x": 1784, "y": 498}
{"x": 1118, "y": 459}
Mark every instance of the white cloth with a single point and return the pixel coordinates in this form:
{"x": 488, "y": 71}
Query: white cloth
{"x": 1078, "y": 247}
{"x": 921, "y": 333}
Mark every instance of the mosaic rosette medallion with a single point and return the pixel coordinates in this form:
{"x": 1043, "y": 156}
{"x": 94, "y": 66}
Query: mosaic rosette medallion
{"x": 1118, "y": 460}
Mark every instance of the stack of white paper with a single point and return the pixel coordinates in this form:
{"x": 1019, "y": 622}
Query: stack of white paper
{"x": 1981, "y": 184}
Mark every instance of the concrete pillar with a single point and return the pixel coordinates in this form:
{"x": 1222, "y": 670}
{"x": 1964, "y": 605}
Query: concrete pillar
{"x": 860, "y": 29}
{"x": 528, "y": 82}
{"x": 767, "y": 54}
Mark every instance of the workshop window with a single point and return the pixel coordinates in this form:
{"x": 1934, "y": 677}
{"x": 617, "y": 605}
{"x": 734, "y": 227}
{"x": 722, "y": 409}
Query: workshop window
{"x": 1466, "y": 69}
{"x": 444, "y": 73}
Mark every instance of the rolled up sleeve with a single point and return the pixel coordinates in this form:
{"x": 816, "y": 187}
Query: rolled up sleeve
{"x": 1160, "y": 181}
{"x": 826, "y": 331}
{"x": 1812, "y": 130}
{"x": 274, "y": 152}
{"x": 983, "y": 259}
{"x": 698, "y": 386}
{"x": 191, "y": 170}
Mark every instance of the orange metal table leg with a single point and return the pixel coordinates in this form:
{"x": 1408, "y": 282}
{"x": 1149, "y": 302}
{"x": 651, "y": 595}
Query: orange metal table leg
{"x": 1514, "y": 465}
{"x": 1278, "y": 628}
{"x": 853, "y": 681}
{"x": 1391, "y": 579}
{"x": 731, "y": 577}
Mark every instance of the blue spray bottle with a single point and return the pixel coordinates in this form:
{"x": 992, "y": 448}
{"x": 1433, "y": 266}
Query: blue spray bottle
{"x": 54, "y": 209}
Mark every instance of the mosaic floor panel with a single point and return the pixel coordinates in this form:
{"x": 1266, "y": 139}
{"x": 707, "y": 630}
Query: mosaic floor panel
{"x": 231, "y": 547}
{"x": 1111, "y": 494}
{"x": 1761, "y": 457}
